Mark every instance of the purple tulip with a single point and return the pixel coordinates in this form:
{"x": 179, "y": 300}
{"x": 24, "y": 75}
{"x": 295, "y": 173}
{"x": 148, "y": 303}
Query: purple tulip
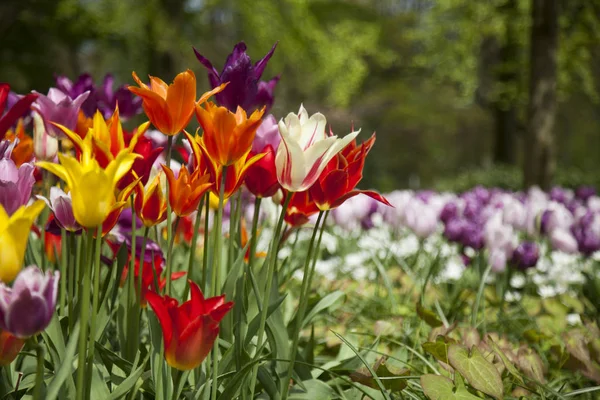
{"x": 129, "y": 105}
{"x": 125, "y": 221}
{"x": 526, "y": 255}
{"x": 267, "y": 133}
{"x": 453, "y": 230}
{"x": 16, "y": 185}
{"x": 449, "y": 212}
{"x": 152, "y": 248}
{"x": 265, "y": 94}
{"x": 27, "y": 308}
{"x": 472, "y": 236}
{"x": 243, "y": 78}
{"x": 563, "y": 240}
{"x": 583, "y": 193}
{"x": 59, "y": 108}
{"x": 587, "y": 233}
{"x": 62, "y": 207}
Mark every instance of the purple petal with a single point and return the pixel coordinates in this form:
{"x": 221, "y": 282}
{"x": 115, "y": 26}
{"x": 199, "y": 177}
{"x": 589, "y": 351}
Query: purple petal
{"x": 260, "y": 66}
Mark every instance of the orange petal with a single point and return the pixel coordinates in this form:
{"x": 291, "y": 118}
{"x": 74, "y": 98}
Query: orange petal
{"x": 181, "y": 97}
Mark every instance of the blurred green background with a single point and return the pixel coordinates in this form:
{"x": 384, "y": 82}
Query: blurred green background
{"x": 444, "y": 83}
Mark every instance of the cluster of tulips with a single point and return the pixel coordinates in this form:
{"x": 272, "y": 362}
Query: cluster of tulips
{"x": 98, "y": 190}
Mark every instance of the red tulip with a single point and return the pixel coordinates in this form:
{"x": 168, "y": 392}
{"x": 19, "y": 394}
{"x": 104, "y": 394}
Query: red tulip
{"x": 301, "y": 207}
{"x": 189, "y": 330}
{"x": 261, "y": 178}
{"x": 337, "y": 182}
{"x": 10, "y": 346}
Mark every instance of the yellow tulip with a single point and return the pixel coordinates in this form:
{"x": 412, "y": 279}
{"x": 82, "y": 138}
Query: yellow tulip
{"x": 92, "y": 187}
{"x": 14, "y": 232}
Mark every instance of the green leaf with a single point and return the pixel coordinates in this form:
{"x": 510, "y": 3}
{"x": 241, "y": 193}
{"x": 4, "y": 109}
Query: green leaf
{"x": 315, "y": 389}
{"x": 479, "y": 372}
{"x": 439, "y": 348}
{"x": 392, "y": 378}
{"x": 125, "y": 386}
{"x": 438, "y": 387}
{"x": 66, "y": 367}
{"x": 331, "y": 301}
{"x": 509, "y": 366}
{"x": 428, "y": 316}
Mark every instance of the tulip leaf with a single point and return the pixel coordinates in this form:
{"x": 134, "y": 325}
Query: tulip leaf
{"x": 479, "y": 372}
{"x": 66, "y": 366}
{"x": 99, "y": 390}
{"x": 428, "y": 316}
{"x": 128, "y": 383}
{"x": 331, "y": 301}
{"x": 255, "y": 323}
{"x": 313, "y": 389}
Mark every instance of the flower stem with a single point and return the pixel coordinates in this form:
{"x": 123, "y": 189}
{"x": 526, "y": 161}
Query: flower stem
{"x": 206, "y": 244}
{"x": 218, "y": 258}
{"x": 193, "y": 244}
{"x": 169, "y": 221}
{"x": 132, "y": 341}
{"x": 303, "y": 302}
{"x": 84, "y": 314}
{"x": 479, "y": 295}
{"x": 271, "y": 261}
{"x": 39, "y": 372}
{"x": 95, "y": 300}
{"x": 64, "y": 262}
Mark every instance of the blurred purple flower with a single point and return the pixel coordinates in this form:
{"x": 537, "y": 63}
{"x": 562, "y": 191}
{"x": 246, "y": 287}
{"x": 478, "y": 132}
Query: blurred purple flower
{"x": 583, "y": 193}
{"x": 453, "y": 230}
{"x": 472, "y": 236}
{"x": 27, "y": 308}
{"x": 243, "y": 78}
{"x": 103, "y": 98}
{"x": 563, "y": 240}
{"x": 59, "y": 108}
{"x": 267, "y": 133}
{"x": 526, "y": 255}
{"x": 587, "y": 233}
{"x": 449, "y": 212}
{"x": 16, "y": 184}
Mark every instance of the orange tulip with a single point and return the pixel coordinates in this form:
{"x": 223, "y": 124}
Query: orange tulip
{"x": 170, "y": 107}
{"x": 186, "y": 190}
{"x": 235, "y": 172}
{"x": 227, "y": 136}
{"x": 23, "y": 151}
{"x": 10, "y": 346}
{"x": 150, "y": 204}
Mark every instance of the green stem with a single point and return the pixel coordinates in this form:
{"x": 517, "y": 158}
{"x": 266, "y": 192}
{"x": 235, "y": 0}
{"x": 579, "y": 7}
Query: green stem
{"x": 479, "y": 295}
{"x": 253, "y": 243}
{"x": 176, "y": 374}
{"x": 72, "y": 278}
{"x": 193, "y": 244}
{"x": 39, "y": 372}
{"x": 303, "y": 303}
{"x": 132, "y": 341}
{"x": 271, "y": 261}
{"x": 206, "y": 244}
{"x": 95, "y": 300}
{"x": 218, "y": 258}
{"x": 141, "y": 265}
{"x": 63, "y": 272}
{"x": 84, "y": 314}
{"x": 169, "y": 221}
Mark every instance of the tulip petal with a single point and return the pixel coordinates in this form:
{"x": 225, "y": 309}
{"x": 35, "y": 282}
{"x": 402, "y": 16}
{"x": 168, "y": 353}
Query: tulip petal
{"x": 181, "y": 97}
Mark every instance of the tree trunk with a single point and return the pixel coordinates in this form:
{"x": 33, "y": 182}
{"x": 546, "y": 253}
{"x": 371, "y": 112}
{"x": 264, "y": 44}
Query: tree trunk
{"x": 505, "y": 113}
{"x": 539, "y": 153}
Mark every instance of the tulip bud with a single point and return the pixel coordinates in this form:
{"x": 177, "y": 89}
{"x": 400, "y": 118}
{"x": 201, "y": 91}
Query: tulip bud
{"x": 45, "y": 147}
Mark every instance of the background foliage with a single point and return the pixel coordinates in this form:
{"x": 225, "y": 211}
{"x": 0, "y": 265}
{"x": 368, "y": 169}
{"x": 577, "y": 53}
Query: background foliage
{"x": 429, "y": 76}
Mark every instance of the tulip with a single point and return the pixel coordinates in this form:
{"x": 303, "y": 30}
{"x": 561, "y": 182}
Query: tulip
{"x": 170, "y": 107}
{"x": 186, "y": 190}
{"x": 59, "y": 108}
{"x": 587, "y": 233}
{"x": 227, "y": 136}
{"x": 27, "y": 308}
{"x": 62, "y": 207}
{"x": 102, "y": 98}
{"x": 305, "y": 149}
{"x": 14, "y": 232}
{"x": 150, "y": 203}
{"x": 6, "y": 148}
{"x": 189, "y": 330}
{"x": 267, "y": 134}
{"x": 499, "y": 236}
{"x": 16, "y": 185}
{"x": 420, "y": 218}
{"x": 336, "y": 183}
{"x": 526, "y": 255}
{"x": 22, "y": 151}
{"x": 245, "y": 90}
{"x": 10, "y": 346}
{"x": 15, "y": 112}
{"x": 45, "y": 147}
{"x": 92, "y": 187}
{"x": 261, "y": 179}
{"x": 300, "y": 208}
{"x": 236, "y": 172}
{"x": 563, "y": 240}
